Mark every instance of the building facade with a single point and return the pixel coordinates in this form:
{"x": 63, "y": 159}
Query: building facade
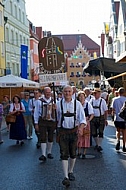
{"x": 35, "y": 35}
{"x": 115, "y": 38}
{"x": 75, "y": 64}
{"x": 2, "y": 48}
{"x": 16, "y": 35}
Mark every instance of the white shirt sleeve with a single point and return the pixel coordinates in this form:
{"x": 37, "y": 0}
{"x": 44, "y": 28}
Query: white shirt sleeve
{"x": 23, "y": 107}
{"x": 90, "y": 109}
{"x": 37, "y": 111}
{"x": 11, "y": 107}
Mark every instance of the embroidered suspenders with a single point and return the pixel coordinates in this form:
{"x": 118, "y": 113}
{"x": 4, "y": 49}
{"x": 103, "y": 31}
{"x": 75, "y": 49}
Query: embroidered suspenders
{"x": 68, "y": 114}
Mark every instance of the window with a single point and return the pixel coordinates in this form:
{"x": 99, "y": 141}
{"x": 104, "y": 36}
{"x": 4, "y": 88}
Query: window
{"x": 20, "y": 14}
{"x": 11, "y": 8}
{"x": 80, "y": 56}
{"x": 13, "y": 68}
{"x": 1, "y": 18}
{"x": 27, "y": 42}
{"x": 71, "y": 64}
{"x": 20, "y": 39}
{"x": 78, "y": 74}
{"x": 84, "y": 74}
{"x": 72, "y": 74}
{"x": 23, "y": 18}
{"x": 83, "y": 64}
{"x": 16, "y": 38}
{"x": 15, "y": 7}
{"x": 12, "y": 36}
{"x": 7, "y": 35}
{"x": 77, "y": 65}
{"x": 2, "y": 48}
{"x": 23, "y": 40}
{"x": 17, "y": 69}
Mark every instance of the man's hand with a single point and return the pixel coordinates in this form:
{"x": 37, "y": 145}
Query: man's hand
{"x": 106, "y": 122}
{"x": 54, "y": 106}
{"x": 36, "y": 127}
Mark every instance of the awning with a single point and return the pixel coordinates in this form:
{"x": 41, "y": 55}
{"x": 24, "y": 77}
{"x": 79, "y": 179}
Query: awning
{"x": 104, "y": 64}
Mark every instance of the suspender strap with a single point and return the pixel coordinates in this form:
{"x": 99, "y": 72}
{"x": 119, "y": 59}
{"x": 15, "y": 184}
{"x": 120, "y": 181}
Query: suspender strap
{"x": 100, "y": 107}
{"x": 62, "y": 114}
{"x": 74, "y": 111}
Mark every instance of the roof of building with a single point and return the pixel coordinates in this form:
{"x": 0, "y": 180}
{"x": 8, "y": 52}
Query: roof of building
{"x": 70, "y": 42}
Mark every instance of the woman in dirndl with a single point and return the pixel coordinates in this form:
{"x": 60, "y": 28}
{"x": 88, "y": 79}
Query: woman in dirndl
{"x": 84, "y": 140}
{"x": 17, "y": 129}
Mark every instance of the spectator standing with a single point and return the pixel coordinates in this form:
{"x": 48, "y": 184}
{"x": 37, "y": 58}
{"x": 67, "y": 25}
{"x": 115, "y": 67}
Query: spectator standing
{"x": 70, "y": 115}
{"x": 1, "y": 113}
{"x": 27, "y": 116}
{"x": 84, "y": 141}
{"x": 17, "y": 129}
{"x": 89, "y": 96}
{"x": 120, "y": 124}
{"x": 6, "y": 107}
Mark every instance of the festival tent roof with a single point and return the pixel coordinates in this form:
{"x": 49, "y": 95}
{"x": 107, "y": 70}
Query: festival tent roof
{"x": 11, "y": 81}
{"x": 104, "y": 64}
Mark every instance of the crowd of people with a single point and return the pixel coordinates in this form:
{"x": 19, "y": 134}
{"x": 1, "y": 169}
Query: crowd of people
{"x": 75, "y": 116}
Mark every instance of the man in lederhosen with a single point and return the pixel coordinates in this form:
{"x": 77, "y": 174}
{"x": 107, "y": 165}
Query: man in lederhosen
{"x": 44, "y": 118}
{"x": 70, "y": 116}
{"x": 100, "y": 118}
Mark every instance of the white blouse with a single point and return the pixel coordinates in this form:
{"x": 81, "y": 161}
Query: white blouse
{"x": 12, "y": 106}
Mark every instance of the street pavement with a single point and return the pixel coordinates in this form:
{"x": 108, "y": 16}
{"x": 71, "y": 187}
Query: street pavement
{"x": 20, "y": 168}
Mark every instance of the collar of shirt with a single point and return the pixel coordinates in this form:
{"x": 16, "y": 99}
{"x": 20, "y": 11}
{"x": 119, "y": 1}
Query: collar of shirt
{"x": 47, "y": 100}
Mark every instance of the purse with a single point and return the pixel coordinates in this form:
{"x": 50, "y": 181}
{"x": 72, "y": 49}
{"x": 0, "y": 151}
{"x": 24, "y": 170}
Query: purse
{"x": 10, "y": 118}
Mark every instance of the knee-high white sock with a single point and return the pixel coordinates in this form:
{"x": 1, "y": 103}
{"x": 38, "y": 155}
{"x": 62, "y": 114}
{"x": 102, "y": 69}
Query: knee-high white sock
{"x": 99, "y": 141}
{"x": 49, "y": 147}
{"x": 43, "y": 148}
{"x": 65, "y": 167}
{"x": 72, "y": 163}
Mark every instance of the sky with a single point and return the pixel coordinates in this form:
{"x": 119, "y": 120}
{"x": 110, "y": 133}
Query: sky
{"x": 70, "y": 16}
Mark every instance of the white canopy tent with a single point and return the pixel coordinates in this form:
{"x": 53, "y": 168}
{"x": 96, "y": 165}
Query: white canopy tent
{"x": 11, "y": 81}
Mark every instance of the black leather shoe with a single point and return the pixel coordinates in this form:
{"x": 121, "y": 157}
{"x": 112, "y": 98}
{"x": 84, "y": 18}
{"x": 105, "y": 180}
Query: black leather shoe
{"x": 83, "y": 156}
{"x": 50, "y": 156}
{"x": 99, "y": 149}
{"x": 66, "y": 182}
{"x": 38, "y": 145}
{"x": 42, "y": 158}
{"x": 124, "y": 149}
{"x": 22, "y": 142}
{"x": 17, "y": 142}
{"x": 117, "y": 146}
{"x": 71, "y": 177}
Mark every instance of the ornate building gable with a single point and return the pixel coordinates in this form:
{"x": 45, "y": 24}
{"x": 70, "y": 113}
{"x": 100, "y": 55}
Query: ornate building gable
{"x": 80, "y": 53}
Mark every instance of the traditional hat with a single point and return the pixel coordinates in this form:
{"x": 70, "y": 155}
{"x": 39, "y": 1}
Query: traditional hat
{"x": 97, "y": 90}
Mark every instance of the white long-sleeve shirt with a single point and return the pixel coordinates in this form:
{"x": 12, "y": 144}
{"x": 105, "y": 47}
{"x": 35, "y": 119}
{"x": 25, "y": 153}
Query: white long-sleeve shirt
{"x": 32, "y": 104}
{"x": 68, "y": 122}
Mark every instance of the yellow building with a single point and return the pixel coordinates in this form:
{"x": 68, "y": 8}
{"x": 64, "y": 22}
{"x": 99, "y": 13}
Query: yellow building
{"x": 2, "y": 46}
{"x": 75, "y": 65}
